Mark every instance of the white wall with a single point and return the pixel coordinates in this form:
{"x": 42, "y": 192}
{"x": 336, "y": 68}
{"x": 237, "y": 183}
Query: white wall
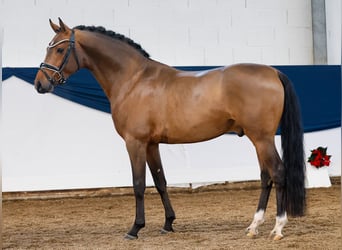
{"x": 176, "y": 32}
{"x": 333, "y": 10}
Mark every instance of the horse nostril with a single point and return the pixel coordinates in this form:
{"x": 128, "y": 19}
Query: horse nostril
{"x": 38, "y": 85}
{"x": 39, "y": 88}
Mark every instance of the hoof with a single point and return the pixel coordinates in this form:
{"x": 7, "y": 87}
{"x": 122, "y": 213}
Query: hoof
{"x": 164, "y": 231}
{"x": 130, "y": 237}
{"x": 278, "y": 237}
{"x": 251, "y": 235}
{"x": 251, "y": 232}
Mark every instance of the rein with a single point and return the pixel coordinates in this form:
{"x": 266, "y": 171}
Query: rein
{"x": 59, "y": 70}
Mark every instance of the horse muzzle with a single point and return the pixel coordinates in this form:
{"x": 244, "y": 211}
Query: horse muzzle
{"x": 42, "y": 89}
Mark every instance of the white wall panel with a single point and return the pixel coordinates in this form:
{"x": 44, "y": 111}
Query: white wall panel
{"x": 247, "y": 54}
{"x": 277, "y": 55}
{"x": 263, "y": 36}
{"x": 333, "y": 10}
{"x": 51, "y": 143}
{"x": 298, "y": 55}
{"x": 222, "y": 56}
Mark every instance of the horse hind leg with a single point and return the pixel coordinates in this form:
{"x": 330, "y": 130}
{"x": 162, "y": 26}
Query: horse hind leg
{"x": 279, "y": 179}
{"x": 281, "y": 218}
{"x": 259, "y": 216}
{"x": 272, "y": 171}
{"x": 155, "y": 165}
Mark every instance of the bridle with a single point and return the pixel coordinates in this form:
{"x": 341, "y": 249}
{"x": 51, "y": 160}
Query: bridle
{"x": 60, "y": 79}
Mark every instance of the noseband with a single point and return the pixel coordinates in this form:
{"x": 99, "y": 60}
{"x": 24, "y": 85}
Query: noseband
{"x": 59, "y": 70}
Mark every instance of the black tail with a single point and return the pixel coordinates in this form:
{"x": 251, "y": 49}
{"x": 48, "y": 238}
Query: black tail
{"x": 293, "y": 150}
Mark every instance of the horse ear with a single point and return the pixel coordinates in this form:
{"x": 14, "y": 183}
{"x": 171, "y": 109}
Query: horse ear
{"x": 63, "y": 26}
{"x": 55, "y": 27}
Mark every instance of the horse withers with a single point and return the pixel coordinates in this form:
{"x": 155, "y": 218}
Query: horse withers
{"x": 152, "y": 103}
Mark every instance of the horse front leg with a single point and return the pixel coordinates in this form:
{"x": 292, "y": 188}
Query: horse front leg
{"x": 155, "y": 165}
{"x": 137, "y": 155}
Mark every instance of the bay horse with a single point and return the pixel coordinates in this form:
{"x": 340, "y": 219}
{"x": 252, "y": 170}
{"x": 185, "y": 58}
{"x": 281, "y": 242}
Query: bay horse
{"x": 153, "y": 103}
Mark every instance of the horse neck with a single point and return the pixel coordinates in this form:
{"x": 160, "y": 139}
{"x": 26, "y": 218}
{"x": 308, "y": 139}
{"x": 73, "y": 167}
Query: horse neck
{"x": 113, "y": 63}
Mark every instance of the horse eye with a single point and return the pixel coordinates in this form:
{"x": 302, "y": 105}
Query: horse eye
{"x": 60, "y": 50}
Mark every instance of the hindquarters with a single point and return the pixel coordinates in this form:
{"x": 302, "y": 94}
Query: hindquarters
{"x": 264, "y": 99}
{"x": 268, "y": 100}
{"x": 254, "y": 99}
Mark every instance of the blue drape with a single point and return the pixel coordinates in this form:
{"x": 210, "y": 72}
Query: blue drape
{"x": 318, "y": 89}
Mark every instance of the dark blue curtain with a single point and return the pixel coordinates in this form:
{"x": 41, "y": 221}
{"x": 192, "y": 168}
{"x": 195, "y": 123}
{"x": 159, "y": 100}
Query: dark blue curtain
{"x": 318, "y": 89}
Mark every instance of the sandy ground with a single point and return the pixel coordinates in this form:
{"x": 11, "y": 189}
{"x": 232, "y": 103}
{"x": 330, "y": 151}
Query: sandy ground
{"x": 206, "y": 219}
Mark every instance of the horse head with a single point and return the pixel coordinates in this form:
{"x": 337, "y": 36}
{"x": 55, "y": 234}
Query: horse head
{"x": 58, "y": 64}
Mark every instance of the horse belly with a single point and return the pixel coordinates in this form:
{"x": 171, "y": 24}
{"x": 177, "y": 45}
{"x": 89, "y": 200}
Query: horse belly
{"x": 190, "y": 130}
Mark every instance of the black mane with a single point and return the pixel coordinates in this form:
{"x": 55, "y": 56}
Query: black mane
{"x": 112, "y": 34}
